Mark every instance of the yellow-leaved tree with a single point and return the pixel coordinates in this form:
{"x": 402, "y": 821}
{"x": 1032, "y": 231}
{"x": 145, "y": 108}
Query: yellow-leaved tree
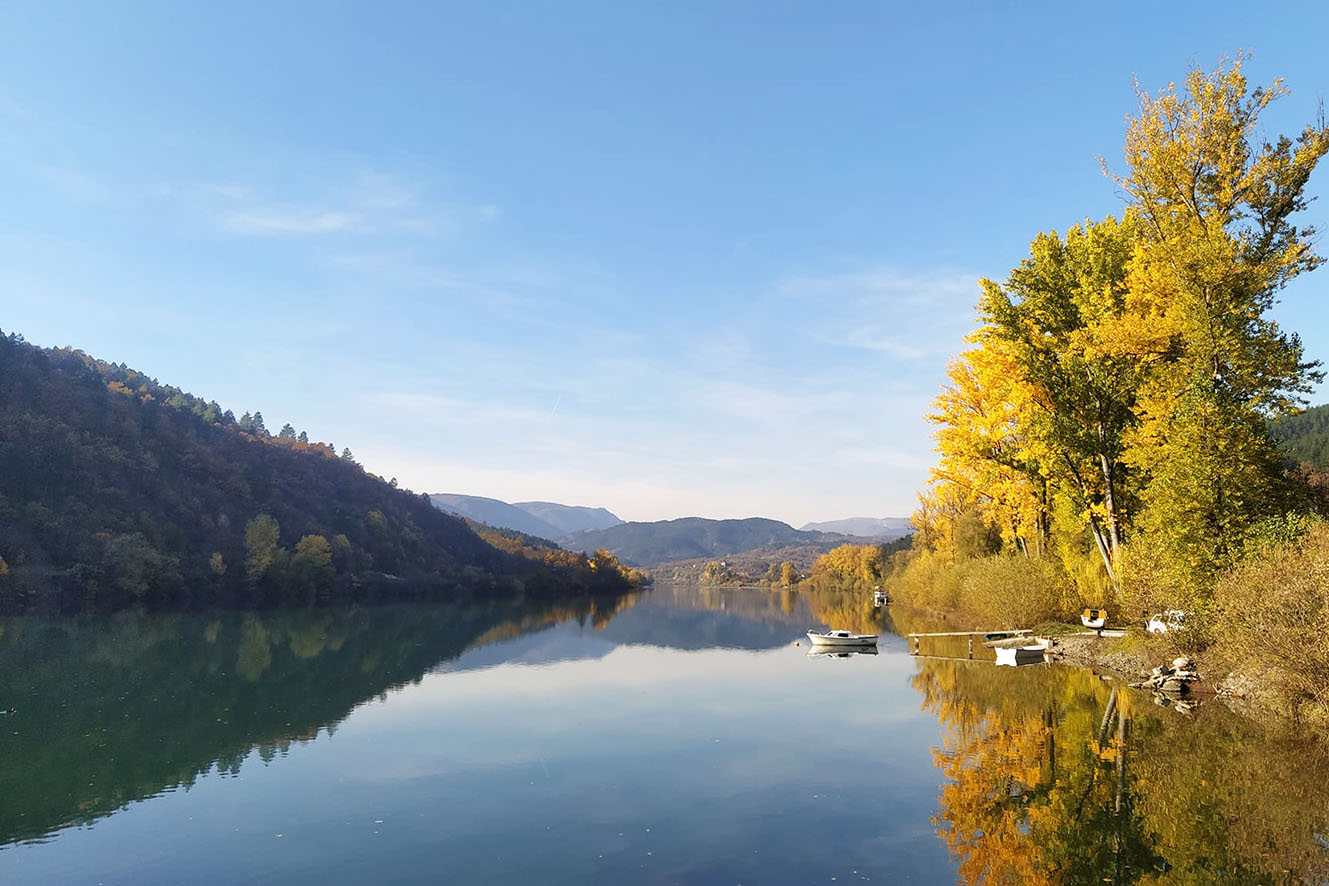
{"x": 988, "y": 460}
{"x": 1217, "y": 241}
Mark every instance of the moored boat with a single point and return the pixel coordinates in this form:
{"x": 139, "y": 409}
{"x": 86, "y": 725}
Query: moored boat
{"x": 1015, "y": 656}
{"x": 841, "y": 638}
{"x": 1094, "y": 619}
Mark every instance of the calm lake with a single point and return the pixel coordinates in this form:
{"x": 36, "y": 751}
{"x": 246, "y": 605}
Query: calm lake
{"x": 677, "y": 736}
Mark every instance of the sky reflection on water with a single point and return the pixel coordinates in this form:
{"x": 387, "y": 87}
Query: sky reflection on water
{"x": 680, "y": 739}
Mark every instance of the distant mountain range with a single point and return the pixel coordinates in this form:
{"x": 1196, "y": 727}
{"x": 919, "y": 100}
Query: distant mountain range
{"x": 649, "y": 544}
{"x": 691, "y": 538}
{"x": 885, "y": 528}
{"x": 569, "y": 518}
{"x": 667, "y": 541}
{"x": 539, "y": 518}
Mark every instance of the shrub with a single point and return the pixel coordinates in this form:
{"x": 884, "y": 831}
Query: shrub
{"x": 999, "y": 590}
{"x": 1149, "y": 580}
{"x": 1012, "y": 592}
{"x": 1274, "y": 615}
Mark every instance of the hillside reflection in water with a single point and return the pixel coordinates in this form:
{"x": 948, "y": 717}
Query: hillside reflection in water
{"x": 675, "y": 736}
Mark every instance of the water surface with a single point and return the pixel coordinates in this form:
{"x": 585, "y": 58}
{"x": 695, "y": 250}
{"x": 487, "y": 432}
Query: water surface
{"x": 678, "y": 736}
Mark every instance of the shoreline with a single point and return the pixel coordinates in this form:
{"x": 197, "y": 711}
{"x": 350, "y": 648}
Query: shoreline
{"x": 1128, "y": 660}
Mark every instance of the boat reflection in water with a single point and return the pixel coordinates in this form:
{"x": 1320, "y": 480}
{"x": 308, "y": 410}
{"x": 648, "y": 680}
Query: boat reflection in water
{"x": 840, "y": 652}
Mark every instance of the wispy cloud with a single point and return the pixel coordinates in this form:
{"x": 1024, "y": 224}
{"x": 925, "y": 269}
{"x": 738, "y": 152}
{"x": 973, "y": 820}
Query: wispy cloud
{"x": 76, "y": 185}
{"x": 347, "y": 201}
{"x": 442, "y": 411}
{"x": 885, "y": 286}
{"x": 279, "y": 220}
{"x": 907, "y": 315}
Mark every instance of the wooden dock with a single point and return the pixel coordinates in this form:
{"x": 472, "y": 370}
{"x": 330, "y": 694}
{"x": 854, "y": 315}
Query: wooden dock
{"x": 914, "y": 650}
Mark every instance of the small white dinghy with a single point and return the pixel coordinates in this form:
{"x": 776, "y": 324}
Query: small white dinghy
{"x": 841, "y": 638}
{"x": 1015, "y": 656}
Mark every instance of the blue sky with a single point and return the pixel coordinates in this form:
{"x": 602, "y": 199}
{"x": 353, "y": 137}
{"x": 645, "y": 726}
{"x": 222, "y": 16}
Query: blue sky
{"x": 670, "y": 259}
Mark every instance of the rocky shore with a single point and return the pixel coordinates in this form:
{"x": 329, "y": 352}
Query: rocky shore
{"x": 1181, "y": 683}
{"x": 1100, "y": 653}
{"x": 1171, "y": 684}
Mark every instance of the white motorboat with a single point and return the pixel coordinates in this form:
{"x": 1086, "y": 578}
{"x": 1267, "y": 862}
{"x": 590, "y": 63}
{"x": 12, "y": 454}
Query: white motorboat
{"x": 841, "y": 638}
{"x": 1094, "y": 619}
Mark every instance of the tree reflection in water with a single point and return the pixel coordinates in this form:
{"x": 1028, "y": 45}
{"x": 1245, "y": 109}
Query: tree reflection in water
{"x": 1055, "y": 776}
{"x": 112, "y": 710}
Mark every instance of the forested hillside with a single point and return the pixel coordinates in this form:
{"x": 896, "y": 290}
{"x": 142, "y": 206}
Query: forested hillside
{"x": 116, "y": 489}
{"x": 1304, "y": 438}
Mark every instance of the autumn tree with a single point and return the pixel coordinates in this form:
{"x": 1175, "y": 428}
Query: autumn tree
{"x": 311, "y": 564}
{"x": 847, "y": 566}
{"x": 1216, "y": 206}
{"x": 989, "y": 462}
{"x": 261, "y": 535}
{"x": 1123, "y": 377}
{"x": 1049, "y": 318}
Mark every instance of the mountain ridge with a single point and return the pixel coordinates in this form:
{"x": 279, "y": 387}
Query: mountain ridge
{"x": 494, "y": 512}
{"x": 885, "y": 528}
{"x": 650, "y": 544}
{"x": 569, "y": 518}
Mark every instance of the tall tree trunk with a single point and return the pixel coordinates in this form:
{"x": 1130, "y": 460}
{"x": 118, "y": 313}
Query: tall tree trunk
{"x": 1094, "y": 529}
{"x": 1103, "y": 549}
{"x": 1110, "y": 502}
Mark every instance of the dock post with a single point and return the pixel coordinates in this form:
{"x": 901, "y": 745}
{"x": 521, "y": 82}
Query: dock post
{"x": 915, "y": 644}
{"x": 971, "y": 646}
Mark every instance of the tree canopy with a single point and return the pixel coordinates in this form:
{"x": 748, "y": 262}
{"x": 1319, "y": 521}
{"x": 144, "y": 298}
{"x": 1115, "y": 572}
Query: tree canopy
{"x": 1121, "y": 382}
